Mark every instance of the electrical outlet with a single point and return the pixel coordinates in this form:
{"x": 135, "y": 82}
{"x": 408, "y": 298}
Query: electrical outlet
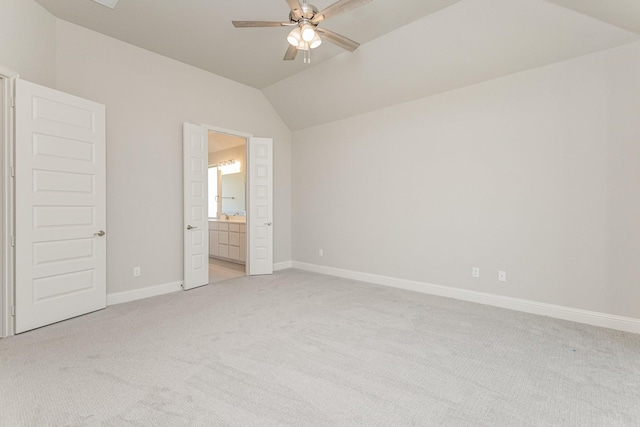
{"x": 502, "y": 276}
{"x": 321, "y": 252}
{"x": 137, "y": 272}
{"x": 475, "y": 272}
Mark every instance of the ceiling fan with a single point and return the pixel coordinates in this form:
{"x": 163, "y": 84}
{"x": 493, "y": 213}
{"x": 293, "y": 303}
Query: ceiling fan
{"x": 305, "y": 17}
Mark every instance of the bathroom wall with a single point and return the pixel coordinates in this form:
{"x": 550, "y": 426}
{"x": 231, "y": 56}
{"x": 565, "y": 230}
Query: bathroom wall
{"x": 234, "y": 186}
{"x": 238, "y": 153}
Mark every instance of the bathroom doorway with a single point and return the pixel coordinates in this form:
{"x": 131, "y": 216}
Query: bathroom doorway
{"x": 227, "y": 206}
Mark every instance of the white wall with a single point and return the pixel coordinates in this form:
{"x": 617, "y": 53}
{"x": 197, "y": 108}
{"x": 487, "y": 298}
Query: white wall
{"x": 623, "y": 179}
{"x": 535, "y": 173}
{"x": 148, "y": 96}
{"x": 28, "y": 41}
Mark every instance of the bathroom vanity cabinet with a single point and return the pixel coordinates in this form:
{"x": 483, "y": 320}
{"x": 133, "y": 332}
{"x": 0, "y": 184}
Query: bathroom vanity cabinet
{"x": 227, "y": 240}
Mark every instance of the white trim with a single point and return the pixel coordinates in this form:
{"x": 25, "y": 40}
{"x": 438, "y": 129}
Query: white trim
{"x": 8, "y": 73}
{"x": 227, "y": 131}
{"x": 282, "y": 265}
{"x": 627, "y": 324}
{"x": 246, "y": 136}
{"x": 7, "y": 79}
{"x": 149, "y": 291}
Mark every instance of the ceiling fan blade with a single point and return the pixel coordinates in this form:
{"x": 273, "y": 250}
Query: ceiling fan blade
{"x": 341, "y": 41}
{"x": 296, "y": 9}
{"x": 255, "y": 24}
{"x": 292, "y": 51}
{"x": 337, "y": 8}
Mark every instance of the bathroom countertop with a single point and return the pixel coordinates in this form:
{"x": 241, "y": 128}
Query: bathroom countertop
{"x": 240, "y": 220}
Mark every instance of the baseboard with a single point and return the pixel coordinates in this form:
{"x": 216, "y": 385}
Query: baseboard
{"x": 627, "y": 324}
{"x": 152, "y": 291}
{"x": 282, "y": 265}
{"x": 149, "y": 291}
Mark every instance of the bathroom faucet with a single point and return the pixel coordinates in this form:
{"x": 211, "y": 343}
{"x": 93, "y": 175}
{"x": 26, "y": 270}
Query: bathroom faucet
{"x": 225, "y": 216}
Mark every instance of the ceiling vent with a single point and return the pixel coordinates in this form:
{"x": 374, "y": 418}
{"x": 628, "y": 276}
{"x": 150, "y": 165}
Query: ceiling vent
{"x": 109, "y": 3}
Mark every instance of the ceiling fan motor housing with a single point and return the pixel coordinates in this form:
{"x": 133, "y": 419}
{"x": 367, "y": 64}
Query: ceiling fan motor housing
{"x": 308, "y": 12}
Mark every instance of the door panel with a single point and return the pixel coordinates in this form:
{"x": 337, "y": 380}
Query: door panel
{"x": 60, "y": 206}
{"x": 196, "y": 227}
{"x": 260, "y": 206}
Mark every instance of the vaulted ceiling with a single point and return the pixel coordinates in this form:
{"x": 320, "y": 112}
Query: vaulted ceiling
{"x": 410, "y": 49}
{"x": 200, "y": 33}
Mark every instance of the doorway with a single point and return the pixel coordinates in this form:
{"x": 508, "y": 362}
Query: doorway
{"x": 227, "y": 206}
{"x": 257, "y": 225}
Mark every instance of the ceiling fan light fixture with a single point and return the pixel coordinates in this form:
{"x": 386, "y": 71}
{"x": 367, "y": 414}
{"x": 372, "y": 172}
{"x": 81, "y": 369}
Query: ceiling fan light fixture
{"x": 308, "y": 32}
{"x": 317, "y": 41}
{"x": 294, "y": 38}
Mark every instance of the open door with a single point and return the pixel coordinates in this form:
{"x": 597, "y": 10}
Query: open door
{"x": 260, "y": 215}
{"x": 196, "y": 224}
{"x": 60, "y": 206}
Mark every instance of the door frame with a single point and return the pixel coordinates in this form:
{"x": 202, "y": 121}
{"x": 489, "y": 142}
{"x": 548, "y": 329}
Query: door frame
{"x": 246, "y": 136}
{"x": 7, "y": 221}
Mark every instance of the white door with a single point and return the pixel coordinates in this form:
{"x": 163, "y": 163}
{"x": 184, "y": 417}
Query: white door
{"x": 196, "y": 224}
{"x": 260, "y": 215}
{"x": 60, "y": 206}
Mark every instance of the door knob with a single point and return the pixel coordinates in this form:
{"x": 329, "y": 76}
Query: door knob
{"x": 268, "y": 223}
{"x": 190, "y": 227}
{"x": 99, "y": 233}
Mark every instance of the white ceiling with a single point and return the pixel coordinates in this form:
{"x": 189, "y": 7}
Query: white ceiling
{"x": 621, "y": 13}
{"x": 200, "y": 33}
{"x": 410, "y": 49}
{"x": 467, "y": 43}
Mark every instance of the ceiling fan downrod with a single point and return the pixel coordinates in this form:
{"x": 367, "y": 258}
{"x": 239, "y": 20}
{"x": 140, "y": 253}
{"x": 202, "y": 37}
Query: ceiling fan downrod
{"x": 305, "y": 17}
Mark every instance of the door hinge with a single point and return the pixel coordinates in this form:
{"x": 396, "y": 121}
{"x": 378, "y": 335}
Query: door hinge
{"x": 13, "y": 241}
{"x": 13, "y": 102}
{"x": 12, "y": 171}
{"x": 13, "y": 310}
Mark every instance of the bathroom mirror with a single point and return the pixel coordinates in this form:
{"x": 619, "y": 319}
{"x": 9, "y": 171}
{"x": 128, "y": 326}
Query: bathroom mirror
{"x": 233, "y": 194}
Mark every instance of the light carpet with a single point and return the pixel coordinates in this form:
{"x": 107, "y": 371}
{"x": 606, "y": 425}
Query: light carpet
{"x": 299, "y": 348}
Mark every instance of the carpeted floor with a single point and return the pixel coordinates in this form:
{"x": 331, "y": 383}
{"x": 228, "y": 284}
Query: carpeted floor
{"x": 298, "y": 348}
